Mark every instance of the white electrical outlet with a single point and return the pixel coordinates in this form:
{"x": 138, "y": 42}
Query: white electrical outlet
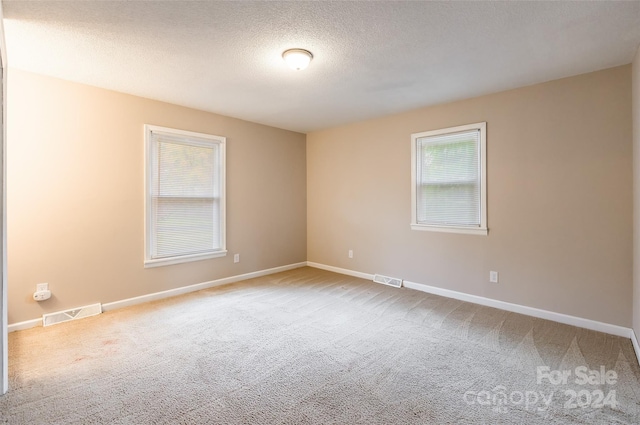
{"x": 493, "y": 277}
{"x": 350, "y": 253}
{"x": 236, "y": 258}
{"x": 42, "y": 287}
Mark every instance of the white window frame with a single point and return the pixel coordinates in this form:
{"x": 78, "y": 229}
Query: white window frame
{"x": 194, "y": 139}
{"x": 482, "y": 145}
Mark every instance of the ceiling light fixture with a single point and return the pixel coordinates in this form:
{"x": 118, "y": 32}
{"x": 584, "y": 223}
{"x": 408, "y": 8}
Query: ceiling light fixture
{"x": 297, "y": 59}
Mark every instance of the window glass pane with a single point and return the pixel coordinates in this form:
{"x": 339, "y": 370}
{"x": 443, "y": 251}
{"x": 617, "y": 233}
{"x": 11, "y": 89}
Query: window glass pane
{"x": 450, "y": 162}
{"x": 185, "y": 171}
{"x": 449, "y": 204}
{"x": 184, "y": 226}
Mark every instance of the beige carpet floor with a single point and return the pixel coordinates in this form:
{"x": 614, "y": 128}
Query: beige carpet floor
{"x": 313, "y": 347}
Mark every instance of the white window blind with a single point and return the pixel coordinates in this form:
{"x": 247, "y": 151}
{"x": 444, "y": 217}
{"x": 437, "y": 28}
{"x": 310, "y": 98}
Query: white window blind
{"x": 449, "y": 179}
{"x": 185, "y": 196}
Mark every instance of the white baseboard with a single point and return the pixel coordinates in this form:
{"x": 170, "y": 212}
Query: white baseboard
{"x": 340, "y": 270}
{"x": 197, "y": 287}
{"x": 636, "y": 346}
{"x": 522, "y": 309}
{"x": 170, "y": 293}
{"x": 24, "y": 325}
{"x": 502, "y": 305}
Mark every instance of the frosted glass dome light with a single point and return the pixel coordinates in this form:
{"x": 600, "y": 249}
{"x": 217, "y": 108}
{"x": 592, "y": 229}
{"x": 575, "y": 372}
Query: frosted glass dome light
{"x": 297, "y": 59}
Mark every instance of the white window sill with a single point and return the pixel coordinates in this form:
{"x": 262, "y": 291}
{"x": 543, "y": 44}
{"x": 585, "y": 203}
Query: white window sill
{"x": 158, "y": 262}
{"x": 450, "y": 229}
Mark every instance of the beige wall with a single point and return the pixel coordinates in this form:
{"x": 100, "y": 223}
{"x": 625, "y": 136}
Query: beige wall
{"x": 636, "y": 193}
{"x": 75, "y": 195}
{"x": 559, "y": 198}
{"x": 559, "y": 185}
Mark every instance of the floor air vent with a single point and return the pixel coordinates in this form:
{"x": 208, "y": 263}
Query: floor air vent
{"x": 386, "y": 280}
{"x": 76, "y": 313}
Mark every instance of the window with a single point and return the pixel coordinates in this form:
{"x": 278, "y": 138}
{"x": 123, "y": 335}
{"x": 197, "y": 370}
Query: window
{"x": 448, "y": 192}
{"x": 185, "y": 196}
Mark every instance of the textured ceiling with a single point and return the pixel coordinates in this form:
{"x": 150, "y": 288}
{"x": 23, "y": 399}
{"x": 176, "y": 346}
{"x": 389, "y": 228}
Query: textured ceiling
{"x": 370, "y": 58}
